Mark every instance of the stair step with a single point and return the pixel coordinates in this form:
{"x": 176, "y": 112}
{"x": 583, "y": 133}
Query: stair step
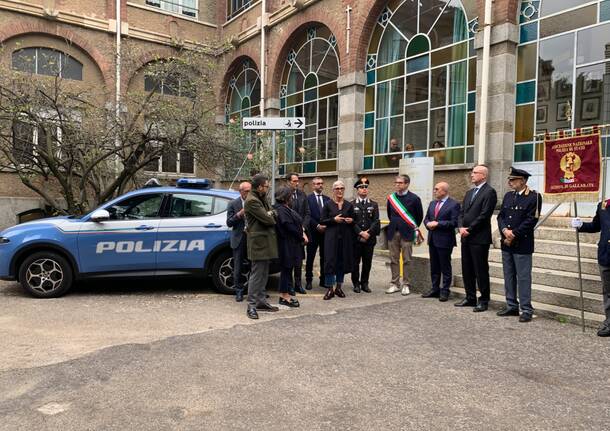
{"x": 565, "y": 248}
{"x": 554, "y": 261}
{"x": 561, "y": 221}
{"x": 555, "y": 278}
{"x": 565, "y": 234}
{"x": 566, "y": 298}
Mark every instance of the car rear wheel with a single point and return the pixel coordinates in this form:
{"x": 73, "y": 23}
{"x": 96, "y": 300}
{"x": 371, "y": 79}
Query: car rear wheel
{"x": 45, "y": 275}
{"x": 222, "y": 273}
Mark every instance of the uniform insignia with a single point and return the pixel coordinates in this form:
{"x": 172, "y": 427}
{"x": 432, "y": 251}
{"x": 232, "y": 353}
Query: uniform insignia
{"x": 605, "y": 204}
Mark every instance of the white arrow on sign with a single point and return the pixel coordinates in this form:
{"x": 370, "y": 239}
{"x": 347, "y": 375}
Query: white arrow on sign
{"x": 273, "y": 123}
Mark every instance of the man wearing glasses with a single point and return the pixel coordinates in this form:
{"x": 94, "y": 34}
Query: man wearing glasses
{"x": 405, "y": 213}
{"x": 366, "y": 225}
{"x": 315, "y": 231}
{"x": 301, "y": 206}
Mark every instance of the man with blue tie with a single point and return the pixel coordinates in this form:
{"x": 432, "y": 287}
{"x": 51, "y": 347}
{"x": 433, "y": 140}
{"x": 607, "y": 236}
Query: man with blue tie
{"x": 315, "y": 231}
{"x": 441, "y": 221}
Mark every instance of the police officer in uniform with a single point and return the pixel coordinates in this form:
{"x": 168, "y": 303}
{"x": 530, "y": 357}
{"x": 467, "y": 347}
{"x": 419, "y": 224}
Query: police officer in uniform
{"x": 517, "y": 218}
{"x": 367, "y": 227}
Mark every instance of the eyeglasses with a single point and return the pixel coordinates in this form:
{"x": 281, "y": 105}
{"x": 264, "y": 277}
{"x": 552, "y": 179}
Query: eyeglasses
{"x": 363, "y": 186}
{"x": 399, "y": 182}
{"x": 339, "y": 188}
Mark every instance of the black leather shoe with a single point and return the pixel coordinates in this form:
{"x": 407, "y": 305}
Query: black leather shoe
{"x": 251, "y": 313}
{"x": 525, "y": 317}
{"x": 356, "y": 288}
{"x": 339, "y": 292}
{"x": 329, "y": 294}
{"x": 480, "y": 307}
{"x": 431, "y": 294}
{"x": 265, "y": 306}
{"x": 293, "y": 303}
{"x": 465, "y": 303}
{"x": 365, "y": 288}
{"x": 308, "y": 285}
{"x": 604, "y": 331}
{"x": 508, "y": 311}
{"x": 299, "y": 289}
{"x": 443, "y": 297}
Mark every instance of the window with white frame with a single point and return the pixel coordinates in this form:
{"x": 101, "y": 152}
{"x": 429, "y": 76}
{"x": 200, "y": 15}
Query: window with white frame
{"x": 47, "y": 61}
{"x": 181, "y": 7}
{"x": 173, "y": 162}
{"x": 170, "y": 86}
{"x": 27, "y": 137}
{"x": 234, "y": 7}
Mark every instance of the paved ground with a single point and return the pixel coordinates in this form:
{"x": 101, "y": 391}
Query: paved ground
{"x": 154, "y": 358}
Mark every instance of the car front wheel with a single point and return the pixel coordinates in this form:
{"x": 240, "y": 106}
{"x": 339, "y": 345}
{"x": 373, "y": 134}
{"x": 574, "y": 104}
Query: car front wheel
{"x": 45, "y": 274}
{"x": 222, "y": 273}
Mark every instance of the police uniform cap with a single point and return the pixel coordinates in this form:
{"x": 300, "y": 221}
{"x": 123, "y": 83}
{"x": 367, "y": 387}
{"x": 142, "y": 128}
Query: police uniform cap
{"x": 361, "y": 182}
{"x": 518, "y": 173}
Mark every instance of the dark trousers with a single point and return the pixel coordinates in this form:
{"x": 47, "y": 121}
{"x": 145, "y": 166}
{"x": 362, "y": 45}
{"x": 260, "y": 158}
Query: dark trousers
{"x": 475, "y": 271}
{"x": 605, "y": 274}
{"x": 297, "y": 270}
{"x": 440, "y": 264}
{"x": 362, "y": 251}
{"x": 285, "y": 279}
{"x": 316, "y": 242}
{"x": 239, "y": 261}
{"x": 331, "y": 279}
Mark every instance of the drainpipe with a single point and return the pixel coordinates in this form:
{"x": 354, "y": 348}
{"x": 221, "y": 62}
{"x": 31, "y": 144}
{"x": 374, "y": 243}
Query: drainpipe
{"x": 117, "y": 84}
{"x": 485, "y": 83}
{"x": 263, "y": 65}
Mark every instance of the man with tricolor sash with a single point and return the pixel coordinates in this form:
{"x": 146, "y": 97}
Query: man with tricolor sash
{"x": 405, "y": 213}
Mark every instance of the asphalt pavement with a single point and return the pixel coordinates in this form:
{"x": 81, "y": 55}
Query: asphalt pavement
{"x": 153, "y": 357}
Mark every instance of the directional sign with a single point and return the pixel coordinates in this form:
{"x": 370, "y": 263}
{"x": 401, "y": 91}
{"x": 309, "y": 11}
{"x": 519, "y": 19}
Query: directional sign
{"x": 273, "y": 123}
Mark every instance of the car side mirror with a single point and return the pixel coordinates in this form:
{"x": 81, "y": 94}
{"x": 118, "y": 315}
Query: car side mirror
{"x": 100, "y": 215}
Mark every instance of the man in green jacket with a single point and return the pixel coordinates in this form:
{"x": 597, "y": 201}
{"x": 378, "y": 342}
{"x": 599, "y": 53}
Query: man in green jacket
{"x": 262, "y": 244}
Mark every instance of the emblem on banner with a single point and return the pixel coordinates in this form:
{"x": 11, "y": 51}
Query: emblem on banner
{"x": 569, "y": 163}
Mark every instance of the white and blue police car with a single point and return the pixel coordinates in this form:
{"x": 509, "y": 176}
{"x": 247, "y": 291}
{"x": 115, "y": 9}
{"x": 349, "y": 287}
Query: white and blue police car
{"x": 153, "y": 231}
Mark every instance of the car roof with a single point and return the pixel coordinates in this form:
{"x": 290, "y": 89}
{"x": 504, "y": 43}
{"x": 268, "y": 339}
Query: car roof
{"x": 229, "y": 194}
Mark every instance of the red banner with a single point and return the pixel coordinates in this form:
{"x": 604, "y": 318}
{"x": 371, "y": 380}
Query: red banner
{"x": 573, "y": 165}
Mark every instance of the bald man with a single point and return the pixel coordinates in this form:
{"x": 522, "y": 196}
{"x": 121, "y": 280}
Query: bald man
{"x": 441, "y": 221}
{"x": 237, "y": 221}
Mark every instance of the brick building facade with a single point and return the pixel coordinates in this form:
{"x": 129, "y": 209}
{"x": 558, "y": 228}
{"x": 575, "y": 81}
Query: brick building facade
{"x": 343, "y": 65}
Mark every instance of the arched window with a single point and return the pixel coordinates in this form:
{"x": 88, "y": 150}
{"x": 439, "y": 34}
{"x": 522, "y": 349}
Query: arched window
{"x": 47, "y": 61}
{"x": 563, "y": 70}
{"x": 309, "y": 89}
{"x": 421, "y": 82}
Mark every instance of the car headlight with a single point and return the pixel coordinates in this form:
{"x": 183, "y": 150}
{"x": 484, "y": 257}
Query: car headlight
{"x": 4, "y": 240}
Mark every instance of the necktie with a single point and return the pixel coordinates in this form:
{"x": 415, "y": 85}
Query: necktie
{"x": 474, "y": 194}
{"x": 319, "y": 198}
{"x": 437, "y": 208}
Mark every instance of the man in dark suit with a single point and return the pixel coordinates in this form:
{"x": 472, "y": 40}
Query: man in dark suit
{"x": 366, "y": 226}
{"x": 301, "y": 206}
{"x": 315, "y": 231}
{"x": 441, "y": 221}
{"x": 237, "y": 221}
{"x": 475, "y": 230}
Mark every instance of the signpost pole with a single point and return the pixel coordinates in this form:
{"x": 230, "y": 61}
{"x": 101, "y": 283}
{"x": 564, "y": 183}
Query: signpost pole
{"x": 273, "y": 166}
{"x": 582, "y": 299}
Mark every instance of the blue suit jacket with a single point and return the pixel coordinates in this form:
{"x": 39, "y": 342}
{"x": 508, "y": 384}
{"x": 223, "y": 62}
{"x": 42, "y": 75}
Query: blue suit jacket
{"x": 314, "y": 211}
{"x": 237, "y": 223}
{"x": 444, "y": 234}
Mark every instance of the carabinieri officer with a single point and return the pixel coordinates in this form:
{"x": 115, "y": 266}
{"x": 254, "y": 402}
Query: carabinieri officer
{"x": 517, "y": 219}
{"x": 367, "y": 227}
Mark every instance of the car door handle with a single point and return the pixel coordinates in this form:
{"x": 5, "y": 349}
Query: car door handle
{"x": 144, "y": 227}
{"x": 213, "y": 225}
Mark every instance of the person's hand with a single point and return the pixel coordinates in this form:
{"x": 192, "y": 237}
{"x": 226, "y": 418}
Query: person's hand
{"x": 348, "y": 220}
{"x": 509, "y": 234}
{"x": 305, "y": 239}
{"x": 339, "y": 219}
{"x": 240, "y": 213}
{"x": 576, "y": 223}
{"x": 464, "y": 232}
{"x": 365, "y": 235}
{"x": 508, "y": 242}
{"x": 320, "y": 228}
{"x": 420, "y": 238}
{"x": 432, "y": 225}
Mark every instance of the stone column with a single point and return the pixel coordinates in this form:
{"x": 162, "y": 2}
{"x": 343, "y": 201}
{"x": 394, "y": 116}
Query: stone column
{"x": 501, "y": 104}
{"x": 350, "y": 151}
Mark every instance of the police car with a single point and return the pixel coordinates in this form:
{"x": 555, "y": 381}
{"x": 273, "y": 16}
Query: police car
{"x": 153, "y": 231}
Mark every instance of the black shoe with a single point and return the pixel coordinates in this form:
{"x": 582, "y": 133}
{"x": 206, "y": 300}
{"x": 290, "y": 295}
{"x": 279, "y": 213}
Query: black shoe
{"x": 329, "y": 294}
{"x": 431, "y": 294}
{"x": 251, "y": 313}
{"x": 480, "y": 307}
{"x": 308, "y": 285}
{"x": 525, "y": 317}
{"x": 508, "y": 311}
{"x": 465, "y": 303}
{"x": 339, "y": 291}
{"x": 365, "y": 287}
{"x": 356, "y": 288}
{"x": 300, "y": 290}
{"x": 604, "y": 331}
{"x": 239, "y": 295}
{"x": 293, "y": 303}
{"x": 265, "y": 306}
{"x": 443, "y": 297}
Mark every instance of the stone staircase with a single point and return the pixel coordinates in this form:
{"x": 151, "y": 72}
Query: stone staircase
{"x": 555, "y": 288}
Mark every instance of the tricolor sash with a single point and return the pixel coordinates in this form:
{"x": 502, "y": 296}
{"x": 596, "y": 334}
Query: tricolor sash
{"x": 404, "y": 213}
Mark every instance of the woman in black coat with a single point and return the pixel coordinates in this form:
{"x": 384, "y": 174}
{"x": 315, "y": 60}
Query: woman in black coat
{"x": 338, "y": 217}
{"x": 290, "y": 241}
